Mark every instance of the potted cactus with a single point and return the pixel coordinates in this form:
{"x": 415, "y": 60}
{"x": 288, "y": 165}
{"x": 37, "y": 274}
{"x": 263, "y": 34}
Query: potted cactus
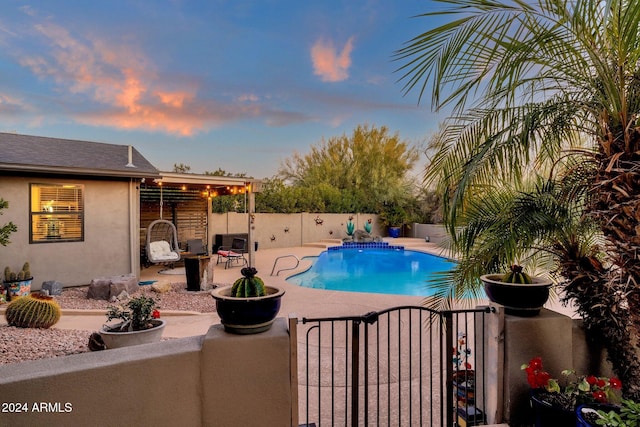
{"x": 247, "y": 307}
{"x": 519, "y": 293}
{"x": 17, "y": 283}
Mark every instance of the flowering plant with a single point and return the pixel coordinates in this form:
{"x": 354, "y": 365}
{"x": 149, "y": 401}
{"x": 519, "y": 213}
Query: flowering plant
{"x": 136, "y": 315}
{"x": 572, "y": 390}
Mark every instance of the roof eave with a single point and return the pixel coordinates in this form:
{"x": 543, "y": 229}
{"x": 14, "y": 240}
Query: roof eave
{"x": 79, "y": 171}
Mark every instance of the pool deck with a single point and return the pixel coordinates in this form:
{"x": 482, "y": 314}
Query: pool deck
{"x": 298, "y": 301}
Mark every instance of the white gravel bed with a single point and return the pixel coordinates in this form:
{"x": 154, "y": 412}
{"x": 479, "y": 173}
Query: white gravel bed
{"x": 20, "y": 344}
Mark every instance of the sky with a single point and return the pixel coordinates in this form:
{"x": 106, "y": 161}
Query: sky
{"x": 239, "y": 85}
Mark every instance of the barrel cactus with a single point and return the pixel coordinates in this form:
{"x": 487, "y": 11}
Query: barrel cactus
{"x": 516, "y": 275}
{"x": 249, "y": 285}
{"x": 33, "y": 311}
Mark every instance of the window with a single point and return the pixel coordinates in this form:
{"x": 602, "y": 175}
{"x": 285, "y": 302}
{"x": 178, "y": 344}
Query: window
{"x": 57, "y": 213}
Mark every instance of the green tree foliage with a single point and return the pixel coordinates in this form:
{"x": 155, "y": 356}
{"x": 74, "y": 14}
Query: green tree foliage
{"x": 8, "y": 228}
{"x": 353, "y": 173}
{"x": 529, "y": 85}
{"x": 222, "y": 172}
{"x": 181, "y": 168}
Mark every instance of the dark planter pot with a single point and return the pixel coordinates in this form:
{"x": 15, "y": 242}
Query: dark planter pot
{"x": 394, "y": 232}
{"x": 517, "y": 299}
{"x": 247, "y": 315}
{"x": 583, "y": 418}
{"x": 547, "y": 415}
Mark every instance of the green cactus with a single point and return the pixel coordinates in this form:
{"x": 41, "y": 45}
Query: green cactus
{"x": 516, "y": 275}
{"x": 33, "y": 311}
{"x": 249, "y": 285}
{"x": 27, "y": 270}
{"x": 24, "y": 274}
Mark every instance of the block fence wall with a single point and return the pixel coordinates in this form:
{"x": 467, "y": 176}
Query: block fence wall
{"x": 287, "y": 230}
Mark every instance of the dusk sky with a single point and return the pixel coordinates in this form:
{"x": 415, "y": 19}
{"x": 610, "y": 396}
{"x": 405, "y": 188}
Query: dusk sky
{"x": 232, "y": 84}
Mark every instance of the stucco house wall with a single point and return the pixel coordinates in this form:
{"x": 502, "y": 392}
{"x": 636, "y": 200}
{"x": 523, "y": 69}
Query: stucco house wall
{"x": 107, "y": 248}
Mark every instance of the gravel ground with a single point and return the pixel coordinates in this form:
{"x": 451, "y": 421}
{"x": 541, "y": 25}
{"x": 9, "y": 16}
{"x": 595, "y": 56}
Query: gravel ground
{"x": 21, "y": 344}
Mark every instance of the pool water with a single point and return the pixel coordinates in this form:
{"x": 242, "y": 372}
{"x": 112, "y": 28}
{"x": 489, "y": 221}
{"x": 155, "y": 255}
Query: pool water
{"x": 383, "y": 271}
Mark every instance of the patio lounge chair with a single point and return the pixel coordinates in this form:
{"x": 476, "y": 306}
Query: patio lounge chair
{"x": 162, "y": 243}
{"x": 234, "y": 253}
{"x": 196, "y": 247}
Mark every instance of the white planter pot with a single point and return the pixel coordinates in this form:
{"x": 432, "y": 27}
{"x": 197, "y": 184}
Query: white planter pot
{"x": 124, "y": 339}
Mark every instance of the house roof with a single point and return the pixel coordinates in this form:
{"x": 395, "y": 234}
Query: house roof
{"x": 37, "y": 154}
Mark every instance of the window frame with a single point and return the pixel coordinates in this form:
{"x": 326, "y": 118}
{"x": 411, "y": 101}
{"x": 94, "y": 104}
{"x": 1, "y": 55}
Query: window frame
{"x": 60, "y": 216}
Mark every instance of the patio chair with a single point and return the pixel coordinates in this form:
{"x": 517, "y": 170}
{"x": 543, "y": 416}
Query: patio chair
{"x": 234, "y": 253}
{"x": 196, "y": 247}
{"x": 162, "y": 243}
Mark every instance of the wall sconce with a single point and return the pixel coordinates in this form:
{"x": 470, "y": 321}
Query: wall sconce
{"x": 273, "y": 238}
{"x": 318, "y": 220}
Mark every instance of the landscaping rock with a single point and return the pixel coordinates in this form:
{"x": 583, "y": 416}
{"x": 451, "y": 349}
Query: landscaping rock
{"x": 53, "y": 287}
{"x": 107, "y": 288}
{"x": 161, "y": 287}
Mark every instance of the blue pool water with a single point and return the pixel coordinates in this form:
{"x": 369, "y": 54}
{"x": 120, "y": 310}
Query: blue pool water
{"x": 373, "y": 270}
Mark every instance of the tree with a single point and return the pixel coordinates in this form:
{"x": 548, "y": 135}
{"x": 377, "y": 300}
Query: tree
{"x": 371, "y": 163}
{"x": 181, "y": 168}
{"x": 527, "y": 83}
{"x": 8, "y": 228}
{"x": 222, "y": 172}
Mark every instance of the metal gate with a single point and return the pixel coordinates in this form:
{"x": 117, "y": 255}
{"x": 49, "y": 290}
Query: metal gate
{"x": 404, "y": 366}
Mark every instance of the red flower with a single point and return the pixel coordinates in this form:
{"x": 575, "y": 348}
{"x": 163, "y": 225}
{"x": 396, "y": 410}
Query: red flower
{"x": 591, "y": 380}
{"x": 601, "y": 383}
{"x": 536, "y": 363}
{"x": 600, "y": 396}
{"x": 615, "y": 383}
{"x": 155, "y": 314}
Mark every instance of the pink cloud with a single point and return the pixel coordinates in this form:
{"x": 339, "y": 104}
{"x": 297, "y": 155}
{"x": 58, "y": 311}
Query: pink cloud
{"x": 124, "y": 81}
{"x": 330, "y": 65}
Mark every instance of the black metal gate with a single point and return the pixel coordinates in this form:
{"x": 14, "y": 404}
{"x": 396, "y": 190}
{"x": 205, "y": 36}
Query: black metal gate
{"x": 404, "y": 366}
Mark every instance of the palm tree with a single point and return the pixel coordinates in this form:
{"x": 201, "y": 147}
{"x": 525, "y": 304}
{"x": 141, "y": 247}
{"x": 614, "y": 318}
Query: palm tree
{"x": 528, "y": 83}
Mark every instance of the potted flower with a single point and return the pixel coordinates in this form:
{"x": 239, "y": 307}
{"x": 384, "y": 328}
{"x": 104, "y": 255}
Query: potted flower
{"x": 17, "y": 284}
{"x": 140, "y": 323}
{"x": 519, "y": 293}
{"x": 247, "y": 307}
{"x": 555, "y": 402}
{"x": 626, "y": 414}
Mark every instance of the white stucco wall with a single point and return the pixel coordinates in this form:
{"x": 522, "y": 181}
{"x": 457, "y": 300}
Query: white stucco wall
{"x": 107, "y": 248}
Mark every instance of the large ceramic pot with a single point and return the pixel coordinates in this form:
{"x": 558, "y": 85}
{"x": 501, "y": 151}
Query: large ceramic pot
{"x": 247, "y": 315}
{"x": 518, "y": 299}
{"x": 116, "y": 339}
{"x": 17, "y": 288}
{"x": 586, "y": 415}
{"x": 394, "y": 232}
{"x": 547, "y": 415}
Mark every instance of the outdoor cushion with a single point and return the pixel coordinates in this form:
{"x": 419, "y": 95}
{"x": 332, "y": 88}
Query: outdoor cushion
{"x": 161, "y": 250}
{"x": 229, "y": 253}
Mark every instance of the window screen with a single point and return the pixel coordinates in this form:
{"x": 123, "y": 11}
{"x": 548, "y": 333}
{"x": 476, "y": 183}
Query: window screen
{"x": 57, "y": 213}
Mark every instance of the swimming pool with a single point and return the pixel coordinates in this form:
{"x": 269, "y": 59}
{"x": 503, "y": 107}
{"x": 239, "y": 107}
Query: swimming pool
{"x": 384, "y": 270}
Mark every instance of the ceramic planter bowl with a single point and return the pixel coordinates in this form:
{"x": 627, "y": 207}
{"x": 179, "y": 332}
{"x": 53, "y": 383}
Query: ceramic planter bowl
{"x": 123, "y": 339}
{"x": 517, "y": 299}
{"x": 247, "y": 315}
